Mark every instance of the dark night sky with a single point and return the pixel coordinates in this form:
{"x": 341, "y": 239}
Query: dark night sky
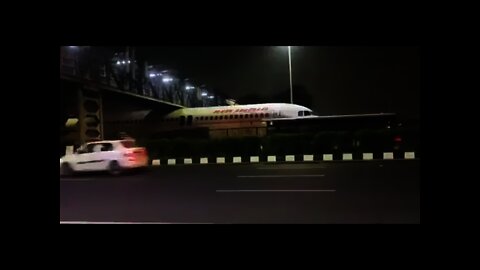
{"x": 341, "y": 80}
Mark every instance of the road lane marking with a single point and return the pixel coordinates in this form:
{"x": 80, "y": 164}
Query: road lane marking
{"x": 282, "y": 175}
{"x": 276, "y": 190}
{"x": 77, "y": 179}
{"x": 118, "y": 222}
{"x": 292, "y": 168}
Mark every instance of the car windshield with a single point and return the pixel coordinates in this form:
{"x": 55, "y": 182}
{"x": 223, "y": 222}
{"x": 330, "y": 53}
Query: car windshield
{"x": 128, "y": 144}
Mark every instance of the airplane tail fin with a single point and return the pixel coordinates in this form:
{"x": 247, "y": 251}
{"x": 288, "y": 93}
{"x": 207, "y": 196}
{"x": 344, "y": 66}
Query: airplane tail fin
{"x": 231, "y": 102}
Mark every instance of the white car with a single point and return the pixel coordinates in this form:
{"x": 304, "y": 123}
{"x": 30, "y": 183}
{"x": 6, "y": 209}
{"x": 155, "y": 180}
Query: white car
{"x": 112, "y": 156}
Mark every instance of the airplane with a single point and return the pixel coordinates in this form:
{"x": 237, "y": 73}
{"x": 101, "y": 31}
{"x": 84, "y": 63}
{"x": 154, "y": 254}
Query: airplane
{"x": 234, "y": 116}
{"x": 243, "y": 116}
{"x": 235, "y": 120}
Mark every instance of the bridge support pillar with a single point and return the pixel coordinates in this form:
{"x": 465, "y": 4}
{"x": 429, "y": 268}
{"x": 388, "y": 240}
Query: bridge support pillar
{"x": 90, "y": 112}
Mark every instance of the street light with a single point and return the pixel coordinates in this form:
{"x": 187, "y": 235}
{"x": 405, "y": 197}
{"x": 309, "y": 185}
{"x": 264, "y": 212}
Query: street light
{"x": 290, "y": 71}
{"x": 167, "y": 79}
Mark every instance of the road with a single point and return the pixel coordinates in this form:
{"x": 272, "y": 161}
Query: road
{"x": 327, "y": 192}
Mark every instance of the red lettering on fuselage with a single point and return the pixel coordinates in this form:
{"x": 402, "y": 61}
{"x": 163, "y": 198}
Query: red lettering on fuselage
{"x": 241, "y": 110}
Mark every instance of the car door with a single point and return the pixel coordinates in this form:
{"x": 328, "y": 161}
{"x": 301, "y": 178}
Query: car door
{"x": 104, "y": 156}
{"x": 91, "y": 160}
{"x": 83, "y": 157}
{"x": 96, "y": 160}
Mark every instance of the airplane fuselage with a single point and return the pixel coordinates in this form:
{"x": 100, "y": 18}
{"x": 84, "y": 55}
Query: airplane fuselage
{"x": 254, "y": 115}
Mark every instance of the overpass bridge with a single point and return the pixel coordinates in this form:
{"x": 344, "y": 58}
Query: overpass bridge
{"x": 100, "y": 87}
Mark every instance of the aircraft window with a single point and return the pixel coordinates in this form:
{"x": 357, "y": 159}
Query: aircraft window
{"x": 211, "y": 117}
{"x": 241, "y": 116}
{"x": 307, "y": 113}
{"x": 300, "y": 113}
{"x": 196, "y": 118}
{"x": 221, "y": 117}
{"x": 236, "y": 116}
{"x": 261, "y": 115}
{"x": 231, "y": 116}
{"x": 216, "y": 117}
{"x": 267, "y": 115}
{"x": 256, "y": 115}
{"x": 246, "y": 116}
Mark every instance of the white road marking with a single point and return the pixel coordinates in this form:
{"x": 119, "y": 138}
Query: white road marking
{"x": 77, "y": 179}
{"x": 273, "y": 176}
{"x": 276, "y": 190}
{"x": 291, "y": 168}
{"x": 115, "y": 222}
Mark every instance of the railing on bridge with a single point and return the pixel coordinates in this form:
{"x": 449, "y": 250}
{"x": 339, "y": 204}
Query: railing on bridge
{"x": 124, "y": 73}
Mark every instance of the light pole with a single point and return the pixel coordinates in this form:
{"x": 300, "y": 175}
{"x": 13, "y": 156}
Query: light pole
{"x": 290, "y": 71}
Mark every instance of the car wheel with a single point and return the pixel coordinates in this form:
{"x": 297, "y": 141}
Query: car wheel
{"x": 67, "y": 169}
{"x": 114, "y": 168}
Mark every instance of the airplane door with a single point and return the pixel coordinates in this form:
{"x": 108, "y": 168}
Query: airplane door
{"x": 189, "y": 120}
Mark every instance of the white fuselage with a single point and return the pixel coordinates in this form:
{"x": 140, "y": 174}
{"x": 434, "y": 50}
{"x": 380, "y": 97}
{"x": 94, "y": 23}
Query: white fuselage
{"x": 253, "y": 115}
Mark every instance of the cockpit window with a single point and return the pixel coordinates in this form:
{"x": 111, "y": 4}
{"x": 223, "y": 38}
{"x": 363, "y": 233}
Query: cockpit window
{"x": 307, "y": 113}
{"x": 300, "y": 113}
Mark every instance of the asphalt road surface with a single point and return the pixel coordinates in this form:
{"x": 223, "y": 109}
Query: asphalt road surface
{"x": 326, "y": 192}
